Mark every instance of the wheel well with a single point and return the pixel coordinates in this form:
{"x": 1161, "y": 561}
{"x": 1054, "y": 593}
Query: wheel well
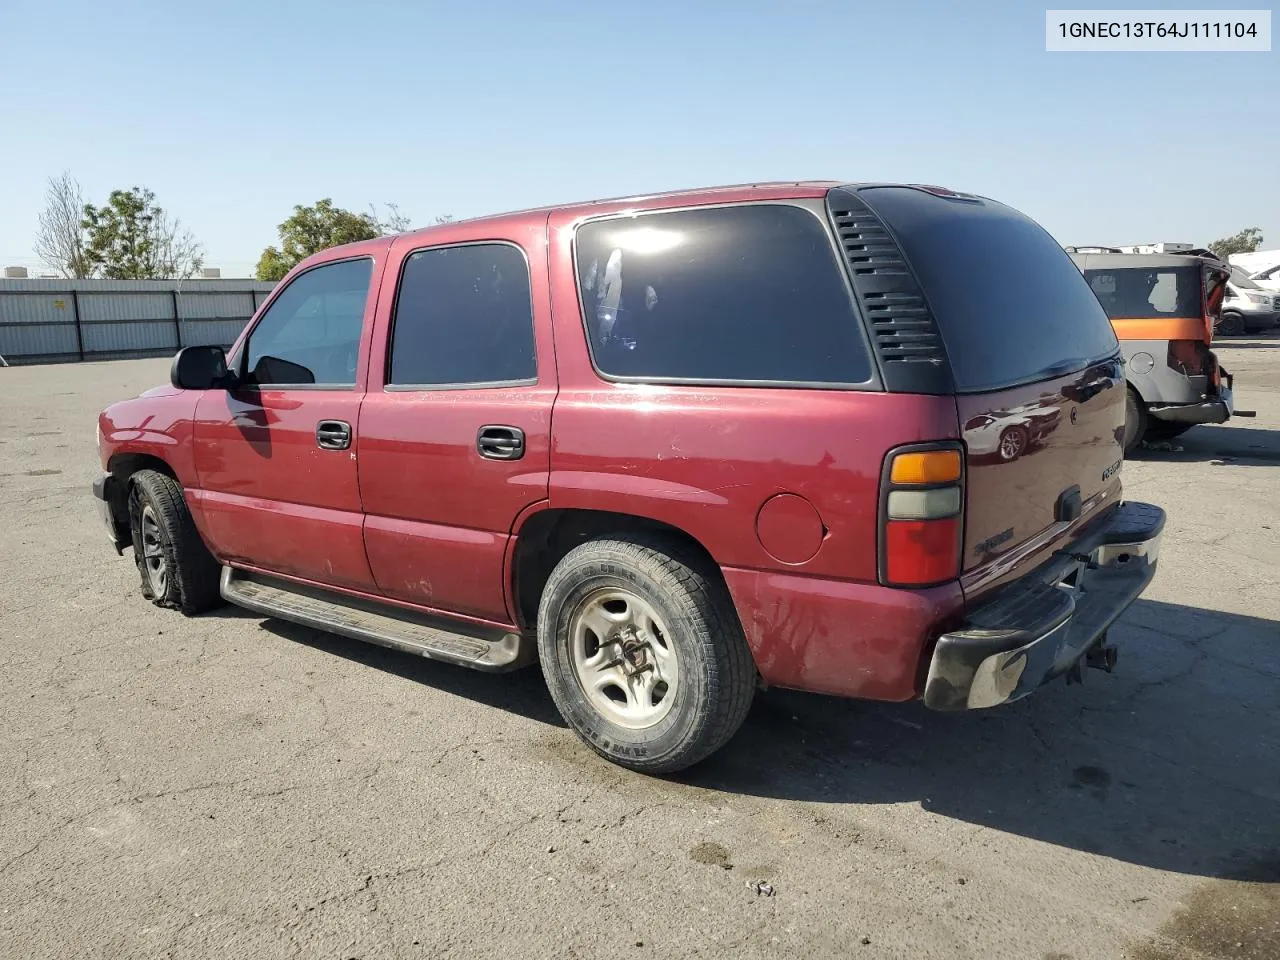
{"x": 549, "y": 535}
{"x": 122, "y": 467}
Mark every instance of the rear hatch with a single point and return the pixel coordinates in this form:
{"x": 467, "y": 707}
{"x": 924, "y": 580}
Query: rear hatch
{"x": 1034, "y": 366}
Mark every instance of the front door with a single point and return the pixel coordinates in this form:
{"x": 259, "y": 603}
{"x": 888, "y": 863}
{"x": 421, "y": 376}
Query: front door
{"x": 456, "y": 425}
{"x": 276, "y": 456}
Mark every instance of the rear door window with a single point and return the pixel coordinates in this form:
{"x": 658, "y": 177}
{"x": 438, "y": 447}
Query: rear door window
{"x": 1131, "y": 293}
{"x": 1010, "y": 304}
{"x": 743, "y": 294}
{"x": 463, "y": 316}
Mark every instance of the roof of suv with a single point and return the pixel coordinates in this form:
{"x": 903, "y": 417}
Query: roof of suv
{"x": 731, "y": 193}
{"x": 772, "y": 190}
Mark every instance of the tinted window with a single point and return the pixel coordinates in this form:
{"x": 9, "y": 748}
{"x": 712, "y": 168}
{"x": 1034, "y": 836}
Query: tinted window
{"x": 463, "y": 315}
{"x": 1135, "y": 294}
{"x": 748, "y": 293}
{"x": 1010, "y": 304}
{"x": 311, "y": 331}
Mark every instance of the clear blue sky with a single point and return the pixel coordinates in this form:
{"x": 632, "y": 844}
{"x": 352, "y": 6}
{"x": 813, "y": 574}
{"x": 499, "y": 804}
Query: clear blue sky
{"x": 232, "y": 112}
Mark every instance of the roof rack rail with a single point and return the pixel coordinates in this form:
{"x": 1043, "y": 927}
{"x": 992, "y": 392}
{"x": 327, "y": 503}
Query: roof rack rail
{"x": 1086, "y": 248}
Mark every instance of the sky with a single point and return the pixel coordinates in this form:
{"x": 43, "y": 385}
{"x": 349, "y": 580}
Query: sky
{"x": 233, "y": 112}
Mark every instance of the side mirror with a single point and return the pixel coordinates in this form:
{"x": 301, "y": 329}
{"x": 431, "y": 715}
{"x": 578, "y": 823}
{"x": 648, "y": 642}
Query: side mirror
{"x": 199, "y": 368}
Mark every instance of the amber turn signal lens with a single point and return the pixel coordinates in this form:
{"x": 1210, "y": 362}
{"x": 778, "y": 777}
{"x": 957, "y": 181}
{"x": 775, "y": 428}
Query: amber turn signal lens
{"x": 928, "y": 466}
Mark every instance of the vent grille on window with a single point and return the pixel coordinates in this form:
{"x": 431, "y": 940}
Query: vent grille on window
{"x": 903, "y": 330}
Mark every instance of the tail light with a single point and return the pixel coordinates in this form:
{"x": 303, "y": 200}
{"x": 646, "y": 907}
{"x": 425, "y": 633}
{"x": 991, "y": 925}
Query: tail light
{"x": 921, "y": 515}
{"x": 1191, "y": 357}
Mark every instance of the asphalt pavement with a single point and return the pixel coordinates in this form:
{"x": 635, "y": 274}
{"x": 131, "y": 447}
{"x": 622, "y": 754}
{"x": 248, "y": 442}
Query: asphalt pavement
{"x": 232, "y": 786}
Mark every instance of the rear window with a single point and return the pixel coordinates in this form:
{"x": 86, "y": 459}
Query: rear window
{"x": 1130, "y": 293}
{"x": 745, "y": 294}
{"x": 1010, "y": 304}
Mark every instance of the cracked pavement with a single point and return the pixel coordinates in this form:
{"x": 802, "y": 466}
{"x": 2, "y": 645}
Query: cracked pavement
{"x": 231, "y": 786}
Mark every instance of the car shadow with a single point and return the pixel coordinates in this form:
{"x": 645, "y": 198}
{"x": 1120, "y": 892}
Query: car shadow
{"x": 1172, "y": 763}
{"x": 521, "y": 692}
{"x": 1245, "y": 446}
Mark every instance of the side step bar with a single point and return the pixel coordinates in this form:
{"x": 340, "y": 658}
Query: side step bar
{"x": 385, "y": 625}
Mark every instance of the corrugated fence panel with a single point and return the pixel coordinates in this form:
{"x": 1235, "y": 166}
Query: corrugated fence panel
{"x": 45, "y": 341}
{"x": 216, "y": 306}
{"x": 125, "y": 306}
{"x": 214, "y": 333}
{"x": 120, "y": 318}
{"x": 36, "y": 307}
{"x": 146, "y": 337}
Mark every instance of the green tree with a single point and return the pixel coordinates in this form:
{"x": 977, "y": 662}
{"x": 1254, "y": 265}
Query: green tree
{"x": 132, "y": 238}
{"x": 310, "y": 230}
{"x": 1246, "y": 241}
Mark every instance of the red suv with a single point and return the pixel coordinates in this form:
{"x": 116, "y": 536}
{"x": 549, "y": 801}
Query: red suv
{"x": 859, "y": 439}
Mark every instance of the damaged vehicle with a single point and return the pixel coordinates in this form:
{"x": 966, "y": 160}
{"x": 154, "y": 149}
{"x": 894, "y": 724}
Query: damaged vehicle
{"x": 1164, "y": 308}
{"x": 674, "y": 448}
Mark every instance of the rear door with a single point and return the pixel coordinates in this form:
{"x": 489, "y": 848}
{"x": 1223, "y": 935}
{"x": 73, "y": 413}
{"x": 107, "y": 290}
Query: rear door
{"x": 456, "y": 427}
{"x": 276, "y": 455}
{"x": 1034, "y": 365}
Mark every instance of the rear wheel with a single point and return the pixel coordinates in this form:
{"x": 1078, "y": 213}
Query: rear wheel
{"x": 1135, "y": 420}
{"x": 176, "y": 568}
{"x": 1231, "y": 325}
{"x": 643, "y": 653}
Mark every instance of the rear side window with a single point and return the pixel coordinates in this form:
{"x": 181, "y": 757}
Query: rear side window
{"x": 1010, "y": 304}
{"x": 746, "y": 294}
{"x": 463, "y": 315}
{"x": 1140, "y": 294}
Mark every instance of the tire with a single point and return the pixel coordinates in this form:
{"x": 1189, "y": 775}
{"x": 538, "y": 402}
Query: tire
{"x": 176, "y": 567}
{"x": 1014, "y": 442}
{"x": 1230, "y": 325}
{"x": 1164, "y": 430}
{"x": 667, "y": 619}
{"x": 1135, "y": 421}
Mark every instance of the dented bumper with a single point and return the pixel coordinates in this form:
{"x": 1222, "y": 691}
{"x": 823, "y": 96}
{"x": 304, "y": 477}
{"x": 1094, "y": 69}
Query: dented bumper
{"x": 1039, "y": 627}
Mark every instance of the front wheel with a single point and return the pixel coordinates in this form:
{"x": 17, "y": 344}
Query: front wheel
{"x": 176, "y": 567}
{"x": 643, "y": 653}
{"x": 1013, "y": 443}
{"x": 1231, "y": 325}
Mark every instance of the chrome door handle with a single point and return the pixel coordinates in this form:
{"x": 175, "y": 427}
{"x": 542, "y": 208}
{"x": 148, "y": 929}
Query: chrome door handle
{"x": 333, "y": 435}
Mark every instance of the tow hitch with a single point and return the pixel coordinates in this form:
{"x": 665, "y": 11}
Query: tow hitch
{"x": 1099, "y": 657}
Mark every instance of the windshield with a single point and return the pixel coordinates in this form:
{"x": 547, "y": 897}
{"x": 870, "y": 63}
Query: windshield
{"x": 1241, "y": 280}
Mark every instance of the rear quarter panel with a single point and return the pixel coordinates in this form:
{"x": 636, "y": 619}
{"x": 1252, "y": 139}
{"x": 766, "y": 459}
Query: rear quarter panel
{"x": 707, "y": 459}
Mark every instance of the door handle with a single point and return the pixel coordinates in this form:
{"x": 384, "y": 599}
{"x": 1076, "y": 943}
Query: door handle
{"x": 333, "y": 435}
{"x": 500, "y": 443}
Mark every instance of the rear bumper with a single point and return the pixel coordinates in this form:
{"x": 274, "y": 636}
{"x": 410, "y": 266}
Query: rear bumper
{"x": 1215, "y": 410}
{"x": 1039, "y": 627}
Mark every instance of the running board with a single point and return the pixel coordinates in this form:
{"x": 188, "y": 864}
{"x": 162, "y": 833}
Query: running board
{"x": 384, "y": 625}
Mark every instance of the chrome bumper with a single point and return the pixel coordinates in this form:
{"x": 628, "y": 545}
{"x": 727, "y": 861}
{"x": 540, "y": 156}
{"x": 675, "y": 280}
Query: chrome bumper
{"x": 1041, "y": 626}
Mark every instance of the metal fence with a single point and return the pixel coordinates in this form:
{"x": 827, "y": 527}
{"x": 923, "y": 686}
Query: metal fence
{"x": 56, "y": 321}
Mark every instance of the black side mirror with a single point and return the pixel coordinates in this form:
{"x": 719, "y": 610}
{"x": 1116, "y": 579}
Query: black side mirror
{"x": 199, "y": 368}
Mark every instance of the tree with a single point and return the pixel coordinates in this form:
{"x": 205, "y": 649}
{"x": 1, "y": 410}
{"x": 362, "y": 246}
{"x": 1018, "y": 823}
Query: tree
{"x": 310, "y": 230}
{"x": 60, "y": 237}
{"x": 395, "y": 222}
{"x": 131, "y": 238}
{"x": 1246, "y": 241}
